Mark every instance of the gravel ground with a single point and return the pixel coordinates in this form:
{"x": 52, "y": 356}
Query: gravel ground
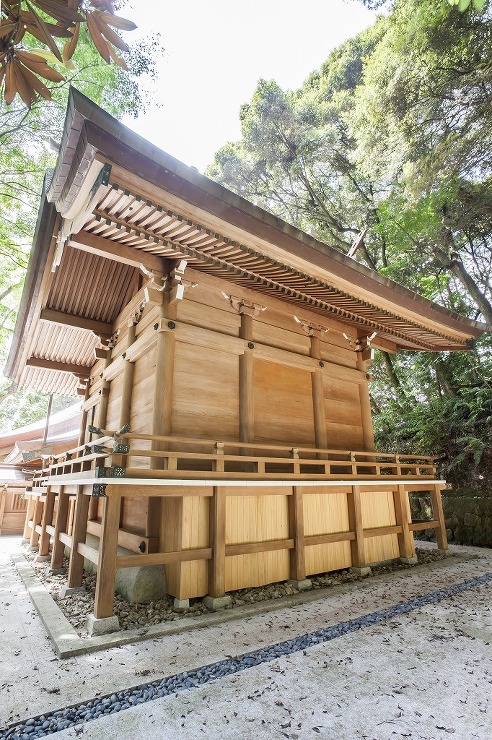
{"x": 133, "y": 616}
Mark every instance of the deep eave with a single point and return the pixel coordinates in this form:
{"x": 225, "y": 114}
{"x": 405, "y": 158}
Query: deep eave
{"x": 358, "y": 294}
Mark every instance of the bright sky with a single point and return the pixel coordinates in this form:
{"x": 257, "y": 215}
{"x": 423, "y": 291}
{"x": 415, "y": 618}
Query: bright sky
{"x": 215, "y": 53}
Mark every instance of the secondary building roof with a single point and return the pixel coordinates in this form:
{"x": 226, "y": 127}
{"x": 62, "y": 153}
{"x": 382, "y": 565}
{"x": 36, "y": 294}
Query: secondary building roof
{"x": 115, "y": 203}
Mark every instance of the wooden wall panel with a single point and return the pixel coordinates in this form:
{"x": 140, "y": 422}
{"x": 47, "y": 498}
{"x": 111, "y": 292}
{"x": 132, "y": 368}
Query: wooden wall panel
{"x": 256, "y": 519}
{"x": 114, "y": 402}
{"x": 194, "y": 574}
{"x": 134, "y": 514}
{"x": 377, "y": 511}
{"x": 202, "y": 308}
{"x": 275, "y": 336}
{"x": 206, "y": 393}
{"x": 325, "y": 513}
{"x": 336, "y": 349}
{"x": 283, "y": 405}
{"x": 12, "y": 510}
{"x": 142, "y": 403}
{"x": 343, "y": 414}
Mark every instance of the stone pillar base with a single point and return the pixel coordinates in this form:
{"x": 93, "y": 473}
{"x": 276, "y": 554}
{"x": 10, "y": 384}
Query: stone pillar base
{"x": 33, "y": 548}
{"x": 102, "y": 626}
{"x": 410, "y": 561}
{"x": 304, "y": 585}
{"x": 363, "y": 571}
{"x": 181, "y": 604}
{"x": 70, "y": 590}
{"x": 214, "y": 603}
{"x": 42, "y": 558}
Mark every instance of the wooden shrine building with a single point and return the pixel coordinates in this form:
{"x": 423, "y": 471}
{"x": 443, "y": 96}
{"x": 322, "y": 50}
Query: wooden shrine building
{"x": 223, "y": 356}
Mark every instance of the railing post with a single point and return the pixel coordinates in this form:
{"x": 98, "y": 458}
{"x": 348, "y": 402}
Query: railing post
{"x": 60, "y": 526}
{"x": 218, "y": 464}
{"x": 406, "y": 544}
{"x": 296, "y": 467}
{"x": 355, "y": 523}
{"x": 438, "y": 514}
{"x": 29, "y": 510}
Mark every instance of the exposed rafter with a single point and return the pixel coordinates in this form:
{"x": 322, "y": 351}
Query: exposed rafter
{"x": 63, "y": 367}
{"x": 78, "y": 322}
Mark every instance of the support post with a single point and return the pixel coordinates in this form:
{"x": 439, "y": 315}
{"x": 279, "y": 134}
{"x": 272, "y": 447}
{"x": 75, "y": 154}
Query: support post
{"x": 60, "y": 526}
{"x": 44, "y": 540}
{"x": 406, "y": 544}
{"x": 365, "y": 407}
{"x": 296, "y": 532}
{"x": 29, "y": 514}
{"x": 437, "y": 513}
{"x": 108, "y": 549}
{"x": 76, "y": 566}
{"x": 36, "y": 520}
{"x": 217, "y": 525}
{"x": 355, "y": 523}
{"x": 246, "y": 360}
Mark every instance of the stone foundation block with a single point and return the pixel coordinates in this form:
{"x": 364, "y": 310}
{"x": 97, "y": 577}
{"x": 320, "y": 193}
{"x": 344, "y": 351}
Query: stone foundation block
{"x": 102, "y": 626}
{"x": 43, "y": 558}
{"x": 181, "y": 604}
{"x": 214, "y": 603}
{"x": 410, "y": 561}
{"x": 69, "y": 591}
{"x": 304, "y": 585}
{"x": 363, "y": 571}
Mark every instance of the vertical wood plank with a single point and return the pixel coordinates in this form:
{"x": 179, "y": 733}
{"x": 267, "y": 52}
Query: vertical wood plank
{"x": 437, "y": 513}
{"x": 217, "y": 529}
{"x": 296, "y": 532}
{"x": 60, "y": 526}
{"x": 3, "y": 499}
{"x": 406, "y": 542}
{"x": 49, "y": 505}
{"x": 108, "y": 549}
{"x": 246, "y": 360}
{"x": 355, "y": 523}
{"x": 76, "y": 566}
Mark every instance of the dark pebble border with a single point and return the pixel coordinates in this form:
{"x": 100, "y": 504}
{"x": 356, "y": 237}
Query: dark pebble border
{"x": 47, "y": 724}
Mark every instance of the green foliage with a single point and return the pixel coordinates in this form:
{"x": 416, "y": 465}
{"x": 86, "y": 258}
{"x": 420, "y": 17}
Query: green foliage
{"x": 393, "y": 135}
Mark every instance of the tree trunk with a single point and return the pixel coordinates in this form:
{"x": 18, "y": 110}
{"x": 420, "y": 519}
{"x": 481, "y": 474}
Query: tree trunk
{"x": 449, "y": 258}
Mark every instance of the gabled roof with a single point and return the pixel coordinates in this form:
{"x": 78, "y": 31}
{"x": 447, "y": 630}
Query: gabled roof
{"x": 115, "y": 201}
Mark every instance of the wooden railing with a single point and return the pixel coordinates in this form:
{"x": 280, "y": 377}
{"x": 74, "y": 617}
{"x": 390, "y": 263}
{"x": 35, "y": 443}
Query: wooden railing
{"x": 125, "y": 456}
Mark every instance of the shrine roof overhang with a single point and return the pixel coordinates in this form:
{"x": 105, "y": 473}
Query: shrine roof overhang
{"x": 115, "y": 202}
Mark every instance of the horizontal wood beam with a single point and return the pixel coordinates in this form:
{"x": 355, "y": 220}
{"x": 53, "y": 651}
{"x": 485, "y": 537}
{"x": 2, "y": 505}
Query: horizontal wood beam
{"x": 63, "y": 367}
{"x": 163, "y": 558}
{"x": 76, "y": 322}
{"x": 115, "y": 251}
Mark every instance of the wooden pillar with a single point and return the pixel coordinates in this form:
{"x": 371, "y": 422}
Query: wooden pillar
{"x": 365, "y": 406}
{"x": 83, "y": 421}
{"x": 49, "y": 505}
{"x": 438, "y": 514}
{"x": 296, "y": 532}
{"x": 216, "y": 579}
{"x": 406, "y": 544}
{"x": 3, "y": 499}
{"x": 318, "y": 392}
{"x": 36, "y": 520}
{"x": 60, "y": 526}
{"x": 101, "y": 416}
{"x": 76, "y": 566}
{"x": 246, "y": 360}
{"x": 128, "y": 373}
{"x": 355, "y": 523}
{"x": 108, "y": 549}
{"x": 29, "y": 513}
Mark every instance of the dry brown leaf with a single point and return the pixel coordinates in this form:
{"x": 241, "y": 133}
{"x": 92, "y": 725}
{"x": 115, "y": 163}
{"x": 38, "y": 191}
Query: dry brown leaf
{"x": 69, "y": 48}
{"x": 39, "y": 66}
{"x": 10, "y": 88}
{"x": 109, "y": 34}
{"x": 37, "y": 85}
{"x": 6, "y": 28}
{"x": 62, "y": 12}
{"x": 97, "y": 38}
{"x": 44, "y": 34}
{"x": 24, "y": 88}
{"x": 116, "y": 57}
{"x": 114, "y": 20}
